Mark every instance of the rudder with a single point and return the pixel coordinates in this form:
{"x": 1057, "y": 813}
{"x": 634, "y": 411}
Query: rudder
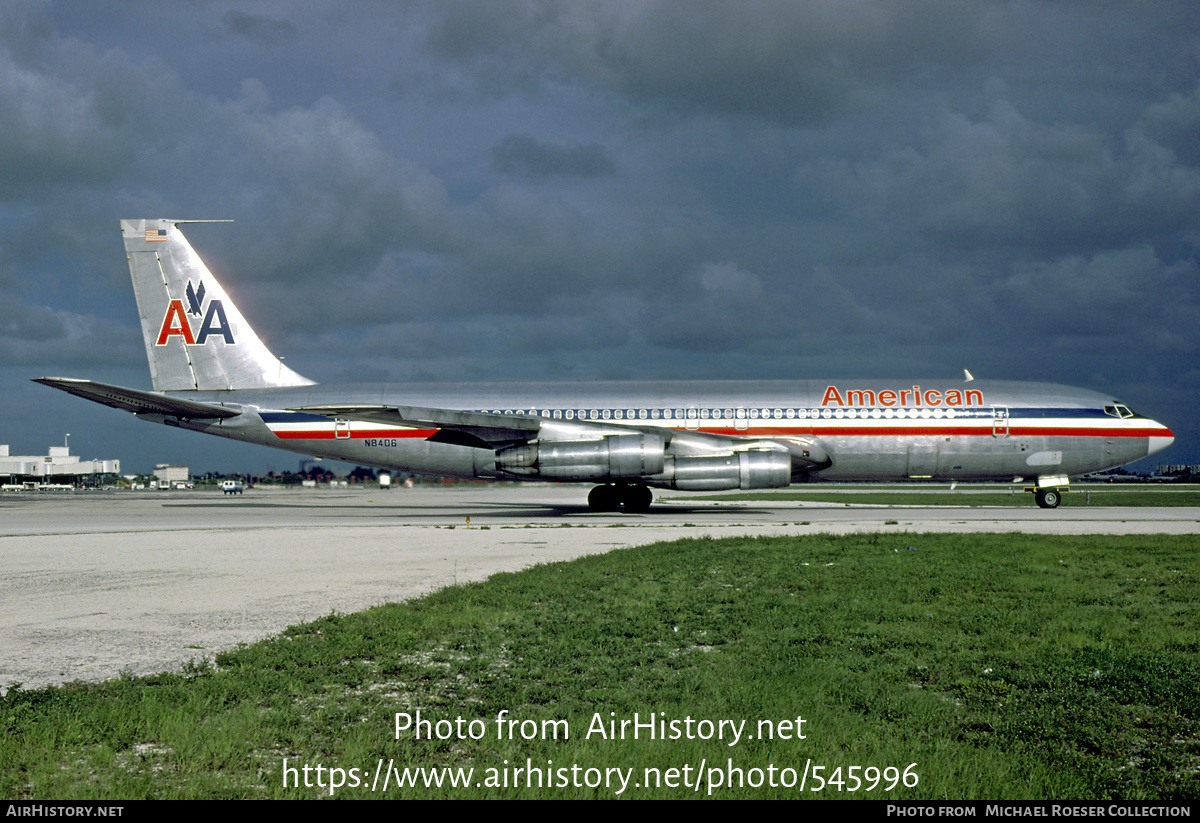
{"x": 196, "y": 339}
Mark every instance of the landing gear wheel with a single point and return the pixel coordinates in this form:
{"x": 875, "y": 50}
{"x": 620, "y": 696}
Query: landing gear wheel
{"x": 634, "y": 498}
{"x": 604, "y": 499}
{"x": 1048, "y": 498}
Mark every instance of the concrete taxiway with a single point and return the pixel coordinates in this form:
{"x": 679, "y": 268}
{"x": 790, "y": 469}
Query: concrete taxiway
{"x": 97, "y": 583}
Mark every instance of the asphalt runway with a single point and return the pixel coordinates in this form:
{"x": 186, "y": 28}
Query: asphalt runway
{"x": 100, "y": 583}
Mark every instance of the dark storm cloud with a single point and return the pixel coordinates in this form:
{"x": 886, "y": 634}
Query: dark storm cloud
{"x": 804, "y": 64}
{"x": 62, "y": 129}
{"x": 335, "y": 195}
{"x": 521, "y": 154}
{"x": 1173, "y": 125}
{"x": 1109, "y": 294}
{"x": 264, "y": 30}
{"x": 24, "y": 27}
{"x": 612, "y": 188}
{"x": 799, "y": 63}
{"x": 36, "y": 335}
{"x": 1006, "y": 180}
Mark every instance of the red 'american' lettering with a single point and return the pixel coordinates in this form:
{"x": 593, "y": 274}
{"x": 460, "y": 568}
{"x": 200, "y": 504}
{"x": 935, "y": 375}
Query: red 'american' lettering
{"x": 901, "y": 397}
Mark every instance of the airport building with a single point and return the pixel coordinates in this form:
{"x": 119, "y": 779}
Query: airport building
{"x": 1178, "y": 468}
{"x": 172, "y": 477}
{"x": 59, "y": 468}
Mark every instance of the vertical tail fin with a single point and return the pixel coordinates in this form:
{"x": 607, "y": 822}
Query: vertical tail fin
{"x": 195, "y": 336}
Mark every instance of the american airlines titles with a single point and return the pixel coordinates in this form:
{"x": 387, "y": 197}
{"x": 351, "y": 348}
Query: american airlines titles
{"x": 857, "y": 398}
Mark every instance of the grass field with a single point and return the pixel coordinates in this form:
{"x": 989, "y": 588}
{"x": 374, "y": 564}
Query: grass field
{"x": 958, "y": 666}
{"x": 943, "y": 495}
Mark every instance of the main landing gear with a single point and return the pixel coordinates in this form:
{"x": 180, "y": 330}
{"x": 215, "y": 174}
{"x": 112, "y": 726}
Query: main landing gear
{"x": 628, "y": 497}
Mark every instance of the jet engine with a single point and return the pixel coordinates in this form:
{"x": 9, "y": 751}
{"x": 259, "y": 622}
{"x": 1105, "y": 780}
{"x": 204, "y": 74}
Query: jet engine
{"x": 754, "y": 468}
{"x": 618, "y": 455}
{"x": 644, "y": 457}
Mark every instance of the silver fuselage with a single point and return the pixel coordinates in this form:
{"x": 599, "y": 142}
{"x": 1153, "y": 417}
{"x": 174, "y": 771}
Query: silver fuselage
{"x": 870, "y": 429}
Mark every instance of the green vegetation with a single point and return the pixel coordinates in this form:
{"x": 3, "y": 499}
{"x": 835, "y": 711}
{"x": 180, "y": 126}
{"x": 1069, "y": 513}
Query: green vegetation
{"x": 915, "y": 495}
{"x": 1002, "y": 666}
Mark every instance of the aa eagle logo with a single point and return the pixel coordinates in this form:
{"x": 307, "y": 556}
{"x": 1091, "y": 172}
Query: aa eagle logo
{"x": 176, "y": 323}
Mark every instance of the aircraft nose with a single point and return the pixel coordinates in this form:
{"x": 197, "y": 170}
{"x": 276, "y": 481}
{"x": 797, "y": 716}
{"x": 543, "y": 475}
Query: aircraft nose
{"x": 1160, "y": 439}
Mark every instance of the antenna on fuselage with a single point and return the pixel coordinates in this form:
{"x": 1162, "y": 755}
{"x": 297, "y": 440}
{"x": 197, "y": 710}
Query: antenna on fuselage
{"x": 969, "y": 376}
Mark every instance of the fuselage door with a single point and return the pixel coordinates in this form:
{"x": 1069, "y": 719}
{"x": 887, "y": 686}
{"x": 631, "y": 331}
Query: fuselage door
{"x": 999, "y": 421}
{"x": 922, "y": 459}
{"x": 341, "y": 429}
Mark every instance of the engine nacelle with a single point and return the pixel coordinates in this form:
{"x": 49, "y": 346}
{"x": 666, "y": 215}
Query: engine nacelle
{"x": 618, "y": 455}
{"x": 750, "y": 469}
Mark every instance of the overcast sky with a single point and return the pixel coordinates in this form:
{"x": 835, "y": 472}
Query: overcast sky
{"x": 454, "y": 191}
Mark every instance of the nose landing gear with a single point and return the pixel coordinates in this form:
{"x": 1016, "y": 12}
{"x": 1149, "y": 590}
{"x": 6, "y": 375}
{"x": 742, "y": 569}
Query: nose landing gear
{"x": 1048, "y": 498}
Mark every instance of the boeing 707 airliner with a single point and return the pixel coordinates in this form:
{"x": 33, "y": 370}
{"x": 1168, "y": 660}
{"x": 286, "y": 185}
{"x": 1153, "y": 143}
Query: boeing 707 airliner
{"x": 211, "y": 373}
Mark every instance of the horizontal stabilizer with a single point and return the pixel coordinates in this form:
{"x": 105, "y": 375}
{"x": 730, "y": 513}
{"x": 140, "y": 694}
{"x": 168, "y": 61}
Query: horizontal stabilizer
{"x": 132, "y": 400}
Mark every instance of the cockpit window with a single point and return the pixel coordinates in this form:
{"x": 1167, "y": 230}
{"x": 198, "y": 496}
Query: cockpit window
{"x": 1118, "y": 410}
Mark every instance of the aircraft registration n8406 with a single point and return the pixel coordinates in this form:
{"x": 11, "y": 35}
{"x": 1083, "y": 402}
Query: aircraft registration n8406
{"x": 211, "y": 373}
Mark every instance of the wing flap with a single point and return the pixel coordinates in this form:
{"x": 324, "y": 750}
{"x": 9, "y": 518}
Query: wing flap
{"x": 420, "y": 417}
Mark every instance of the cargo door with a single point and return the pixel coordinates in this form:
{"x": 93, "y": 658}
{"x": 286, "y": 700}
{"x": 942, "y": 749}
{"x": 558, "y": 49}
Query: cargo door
{"x": 922, "y": 460}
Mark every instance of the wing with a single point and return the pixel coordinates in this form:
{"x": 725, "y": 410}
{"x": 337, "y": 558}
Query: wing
{"x": 465, "y": 428}
{"x": 487, "y": 430}
{"x": 484, "y": 430}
